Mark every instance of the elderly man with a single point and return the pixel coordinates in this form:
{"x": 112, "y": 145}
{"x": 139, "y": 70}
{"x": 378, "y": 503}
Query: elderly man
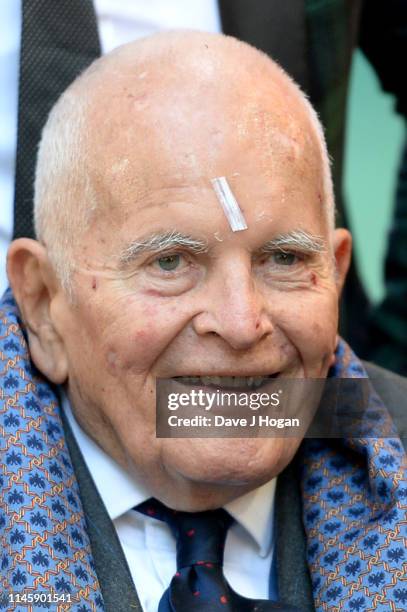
{"x": 139, "y": 274}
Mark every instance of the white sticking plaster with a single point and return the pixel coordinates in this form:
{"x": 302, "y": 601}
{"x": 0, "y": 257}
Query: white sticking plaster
{"x": 229, "y": 204}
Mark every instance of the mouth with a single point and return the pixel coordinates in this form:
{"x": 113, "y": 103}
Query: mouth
{"x": 227, "y": 382}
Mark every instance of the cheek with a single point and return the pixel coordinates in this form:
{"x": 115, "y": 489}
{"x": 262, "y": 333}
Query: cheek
{"x": 317, "y": 337}
{"x": 140, "y": 336}
{"x": 310, "y": 322}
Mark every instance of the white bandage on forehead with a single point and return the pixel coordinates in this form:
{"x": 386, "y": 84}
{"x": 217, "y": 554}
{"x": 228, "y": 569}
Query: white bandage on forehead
{"x": 229, "y": 204}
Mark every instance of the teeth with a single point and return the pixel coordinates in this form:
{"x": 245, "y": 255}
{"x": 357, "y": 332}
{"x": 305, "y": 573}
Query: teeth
{"x": 226, "y": 381}
{"x": 191, "y": 380}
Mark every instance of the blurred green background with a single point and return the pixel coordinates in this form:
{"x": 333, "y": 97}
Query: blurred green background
{"x": 374, "y": 139}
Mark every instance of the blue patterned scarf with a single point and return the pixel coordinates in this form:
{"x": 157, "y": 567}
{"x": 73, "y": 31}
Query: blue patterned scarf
{"x": 354, "y": 499}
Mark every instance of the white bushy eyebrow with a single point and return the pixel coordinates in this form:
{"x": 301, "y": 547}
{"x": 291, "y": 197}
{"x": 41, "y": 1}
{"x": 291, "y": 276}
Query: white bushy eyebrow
{"x": 155, "y": 243}
{"x": 298, "y": 239}
{"x": 161, "y": 242}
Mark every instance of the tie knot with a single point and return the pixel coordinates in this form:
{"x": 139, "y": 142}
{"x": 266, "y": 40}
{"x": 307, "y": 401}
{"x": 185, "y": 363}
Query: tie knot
{"x": 200, "y": 536}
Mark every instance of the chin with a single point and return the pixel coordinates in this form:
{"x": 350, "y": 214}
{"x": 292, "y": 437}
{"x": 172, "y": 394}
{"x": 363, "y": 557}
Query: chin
{"x": 239, "y": 462}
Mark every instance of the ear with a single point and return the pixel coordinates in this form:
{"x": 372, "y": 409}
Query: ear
{"x": 342, "y": 249}
{"x": 35, "y": 287}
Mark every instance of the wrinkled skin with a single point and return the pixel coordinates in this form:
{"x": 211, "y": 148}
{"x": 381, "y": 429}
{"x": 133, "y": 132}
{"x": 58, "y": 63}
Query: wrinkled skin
{"x": 231, "y": 310}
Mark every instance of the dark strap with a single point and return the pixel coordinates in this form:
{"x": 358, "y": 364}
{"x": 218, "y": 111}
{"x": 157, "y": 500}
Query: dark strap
{"x": 276, "y": 27}
{"x": 58, "y": 41}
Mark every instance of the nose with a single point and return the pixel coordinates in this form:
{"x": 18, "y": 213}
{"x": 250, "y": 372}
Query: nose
{"x": 234, "y": 310}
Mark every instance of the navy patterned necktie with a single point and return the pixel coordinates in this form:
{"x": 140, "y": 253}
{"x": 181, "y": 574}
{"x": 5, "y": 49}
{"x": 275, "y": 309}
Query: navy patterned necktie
{"x": 199, "y": 583}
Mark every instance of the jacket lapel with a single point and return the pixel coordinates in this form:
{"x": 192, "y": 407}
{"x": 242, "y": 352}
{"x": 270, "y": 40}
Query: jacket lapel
{"x": 294, "y": 582}
{"x": 114, "y": 576}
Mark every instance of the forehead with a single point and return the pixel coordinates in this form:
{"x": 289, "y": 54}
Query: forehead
{"x": 149, "y": 149}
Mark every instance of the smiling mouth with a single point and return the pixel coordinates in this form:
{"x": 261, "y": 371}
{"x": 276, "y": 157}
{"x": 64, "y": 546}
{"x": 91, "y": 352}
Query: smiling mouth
{"x": 226, "y": 382}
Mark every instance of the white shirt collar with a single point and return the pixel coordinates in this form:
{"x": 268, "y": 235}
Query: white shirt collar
{"x": 253, "y": 511}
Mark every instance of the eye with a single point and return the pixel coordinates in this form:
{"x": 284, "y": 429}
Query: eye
{"x": 169, "y": 263}
{"x": 282, "y": 258}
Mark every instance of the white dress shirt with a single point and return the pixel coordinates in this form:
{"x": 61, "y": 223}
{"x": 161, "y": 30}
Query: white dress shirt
{"x": 119, "y": 22}
{"x": 149, "y": 546}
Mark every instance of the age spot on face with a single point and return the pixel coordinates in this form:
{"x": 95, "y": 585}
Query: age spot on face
{"x": 154, "y": 293}
{"x": 112, "y": 360}
{"x": 313, "y": 279}
{"x": 142, "y": 337}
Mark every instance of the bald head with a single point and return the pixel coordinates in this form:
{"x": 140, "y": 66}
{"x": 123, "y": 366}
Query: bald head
{"x": 161, "y": 285}
{"x": 164, "y": 105}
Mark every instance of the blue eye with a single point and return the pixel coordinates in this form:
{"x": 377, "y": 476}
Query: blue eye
{"x": 282, "y": 258}
{"x": 169, "y": 263}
